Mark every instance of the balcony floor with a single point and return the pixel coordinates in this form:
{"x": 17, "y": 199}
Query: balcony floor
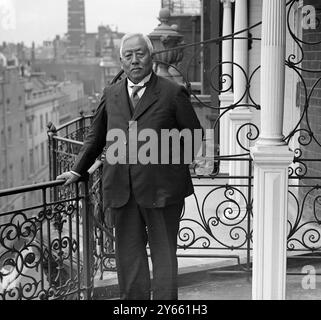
{"x": 238, "y": 287}
{"x": 217, "y": 282}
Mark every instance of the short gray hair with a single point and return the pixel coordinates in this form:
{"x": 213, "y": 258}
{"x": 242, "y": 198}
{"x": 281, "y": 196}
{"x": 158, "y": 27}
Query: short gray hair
{"x": 133, "y": 35}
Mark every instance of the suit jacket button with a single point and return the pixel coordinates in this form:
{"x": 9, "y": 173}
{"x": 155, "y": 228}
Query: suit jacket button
{"x": 125, "y": 142}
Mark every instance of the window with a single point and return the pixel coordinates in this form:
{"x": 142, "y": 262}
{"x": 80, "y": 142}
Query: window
{"x": 3, "y": 140}
{"x": 41, "y": 123}
{"x": 3, "y": 177}
{"x": 52, "y": 116}
{"x": 31, "y": 162}
{"x": 46, "y": 150}
{"x": 8, "y": 104}
{"x": 42, "y": 147}
{"x": 47, "y": 120}
{"x": 22, "y": 169}
{"x": 21, "y": 130}
{"x": 36, "y": 157}
{"x": 34, "y": 126}
{"x": 9, "y": 135}
{"x": 30, "y": 128}
{"x": 11, "y": 176}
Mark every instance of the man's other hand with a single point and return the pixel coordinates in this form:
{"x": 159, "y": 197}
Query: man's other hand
{"x": 69, "y": 177}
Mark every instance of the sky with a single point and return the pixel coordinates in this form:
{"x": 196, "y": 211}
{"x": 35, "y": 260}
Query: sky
{"x": 40, "y": 20}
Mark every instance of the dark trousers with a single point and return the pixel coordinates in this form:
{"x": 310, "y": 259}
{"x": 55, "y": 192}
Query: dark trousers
{"x": 134, "y": 228}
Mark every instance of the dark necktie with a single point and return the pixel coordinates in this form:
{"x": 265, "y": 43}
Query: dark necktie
{"x": 134, "y": 96}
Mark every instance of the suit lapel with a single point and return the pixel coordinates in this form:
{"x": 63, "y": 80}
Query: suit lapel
{"x": 149, "y": 97}
{"x": 121, "y": 100}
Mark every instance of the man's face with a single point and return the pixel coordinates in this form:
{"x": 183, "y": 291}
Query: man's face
{"x": 136, "y": 60}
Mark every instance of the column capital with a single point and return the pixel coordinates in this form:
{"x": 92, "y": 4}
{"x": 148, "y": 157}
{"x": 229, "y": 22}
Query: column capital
{"x": 227, "y": 3}
{"x": 271, "y": 156}
{"x": 227, "y": 97}
{"x": 241, "y": 114}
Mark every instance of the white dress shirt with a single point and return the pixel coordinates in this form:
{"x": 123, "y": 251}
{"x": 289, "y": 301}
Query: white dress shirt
{"x": 140, "y": 93}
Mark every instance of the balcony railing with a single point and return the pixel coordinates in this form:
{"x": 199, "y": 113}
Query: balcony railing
{"x": 46, "y": 248}
{"x": 55, "y": 247}
{"x": 64, "y": 145}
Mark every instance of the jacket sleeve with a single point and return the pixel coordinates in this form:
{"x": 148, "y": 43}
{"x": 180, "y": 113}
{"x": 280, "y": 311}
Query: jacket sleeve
{"x": 187, "y": 119}
{"x": 95, "y": 140}
{"x": 185, "y": 114}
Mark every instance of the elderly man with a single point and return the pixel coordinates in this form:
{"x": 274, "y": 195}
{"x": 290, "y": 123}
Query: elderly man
{"x": 145, "y": 200}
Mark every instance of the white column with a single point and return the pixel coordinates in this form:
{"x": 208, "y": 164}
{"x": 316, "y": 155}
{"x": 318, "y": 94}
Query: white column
{"x": 241, "y": 56}
{"x": 240, "y": 115}
{"x": 226, "y": 98}
{"x": 272, "y": 158}
{"x": 227, "y": 47}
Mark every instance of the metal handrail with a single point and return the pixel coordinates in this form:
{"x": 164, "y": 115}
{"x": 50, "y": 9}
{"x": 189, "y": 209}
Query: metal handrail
{"x": 32, "y": 187}
{"x": 71, "y": 122}
{"x": 80, "y": 143}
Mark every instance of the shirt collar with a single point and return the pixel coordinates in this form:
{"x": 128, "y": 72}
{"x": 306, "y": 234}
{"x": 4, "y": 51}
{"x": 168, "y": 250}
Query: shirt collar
{"x": 140, "y": 84}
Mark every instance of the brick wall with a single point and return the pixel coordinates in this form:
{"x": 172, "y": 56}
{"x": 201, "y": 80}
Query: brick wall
{"x": 311, "y": 61}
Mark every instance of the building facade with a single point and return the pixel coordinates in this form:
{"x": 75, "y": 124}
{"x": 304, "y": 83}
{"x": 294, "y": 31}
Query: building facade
{"x": 13, "y": 142}
{"x": 74, "y": 101}
{"x": 76, "y": 26}
{"x": 28, "y": 103}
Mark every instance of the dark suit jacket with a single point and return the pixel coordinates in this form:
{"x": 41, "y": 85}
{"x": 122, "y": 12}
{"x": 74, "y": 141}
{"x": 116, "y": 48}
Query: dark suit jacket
{"x": 164, "y": 105}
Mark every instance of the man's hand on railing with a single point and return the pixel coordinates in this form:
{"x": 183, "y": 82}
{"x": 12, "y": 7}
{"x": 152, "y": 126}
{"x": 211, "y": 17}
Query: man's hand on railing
{"x": 69, "y": 177}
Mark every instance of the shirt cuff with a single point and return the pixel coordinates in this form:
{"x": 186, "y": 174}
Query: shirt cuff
{"x": 75, "y": 173}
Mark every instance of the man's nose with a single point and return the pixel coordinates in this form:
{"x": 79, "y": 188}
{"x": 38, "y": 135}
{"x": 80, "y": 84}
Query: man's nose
{"x": 134, "y": 59}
